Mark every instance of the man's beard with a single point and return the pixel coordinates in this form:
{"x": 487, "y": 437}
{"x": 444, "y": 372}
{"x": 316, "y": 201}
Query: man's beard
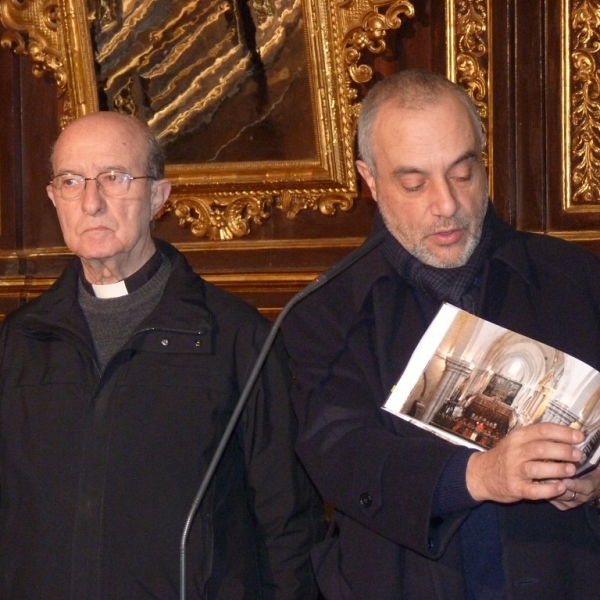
{"x": 413, "y": 240}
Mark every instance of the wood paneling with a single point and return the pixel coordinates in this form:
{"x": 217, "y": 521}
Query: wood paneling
{"x": 280, "y": 256}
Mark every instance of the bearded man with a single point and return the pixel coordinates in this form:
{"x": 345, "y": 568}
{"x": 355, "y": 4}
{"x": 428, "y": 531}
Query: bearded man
{"x": 416, "y": 516}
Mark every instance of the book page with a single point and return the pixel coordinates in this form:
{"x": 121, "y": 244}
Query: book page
{"x": 472, "y": 382}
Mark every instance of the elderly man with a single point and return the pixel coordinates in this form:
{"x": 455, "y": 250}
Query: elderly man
{"x": 417, "y": 517}
{"x": 115, "y": 388}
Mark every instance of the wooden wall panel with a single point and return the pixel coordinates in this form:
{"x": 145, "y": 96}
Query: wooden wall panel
{"x": 281, "y": 255}
{"x": 503, "y": 118}
{"x": 10, "y": 149}
{"x": 529, "y": 115}
{"x": 573, "y": 61}
{"x": 10, "y": 178}
{"x": 29, "y": 124}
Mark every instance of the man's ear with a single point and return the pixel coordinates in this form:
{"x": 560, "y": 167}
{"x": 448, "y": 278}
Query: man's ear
{"x": 160, "y": 194}
{"x": 50, "y": 192}
{"x": 369, "y": 178}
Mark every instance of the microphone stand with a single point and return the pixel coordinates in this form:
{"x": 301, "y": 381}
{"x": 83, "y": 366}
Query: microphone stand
{"x": 322, "y": 279}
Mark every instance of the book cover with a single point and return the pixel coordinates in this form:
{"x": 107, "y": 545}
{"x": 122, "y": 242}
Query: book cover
{"x": 472, "y": 382}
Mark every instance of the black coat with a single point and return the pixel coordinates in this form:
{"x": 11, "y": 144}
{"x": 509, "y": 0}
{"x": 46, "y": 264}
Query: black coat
{"x": 98, "y": 471}
{"x": 349, "y": 342}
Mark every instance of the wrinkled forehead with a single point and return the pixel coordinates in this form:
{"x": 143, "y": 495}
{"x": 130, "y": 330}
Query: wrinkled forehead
{"x": 433, "y": 128}
{"x": 102, "y": 140}
{"x": 452, "y": 109}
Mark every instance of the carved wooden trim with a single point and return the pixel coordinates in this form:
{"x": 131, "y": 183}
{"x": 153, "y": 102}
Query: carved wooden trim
{"x": 469, "y": 61}
{"x": 581, "y": 105}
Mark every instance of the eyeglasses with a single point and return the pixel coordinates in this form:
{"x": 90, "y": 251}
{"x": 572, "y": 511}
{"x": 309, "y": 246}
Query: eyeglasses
{"x": 112, "y": 183}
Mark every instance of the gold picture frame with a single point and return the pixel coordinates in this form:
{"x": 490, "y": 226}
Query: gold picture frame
{"x": 469, "y": 63}
{"x": 580, "y": 44}
{"x": 223, "y": 200}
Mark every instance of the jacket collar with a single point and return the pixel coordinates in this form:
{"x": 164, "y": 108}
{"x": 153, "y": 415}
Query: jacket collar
{"x": 183, "y": 304}
{"x": 181, "y": 308}
{"x": 508, "y": 248}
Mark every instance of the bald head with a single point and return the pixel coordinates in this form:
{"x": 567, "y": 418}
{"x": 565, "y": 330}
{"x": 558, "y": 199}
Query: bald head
{"x": 152, "y": 151}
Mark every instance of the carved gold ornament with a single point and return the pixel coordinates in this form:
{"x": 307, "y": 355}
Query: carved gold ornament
{"x": 365, "y": 23}
{"x": 40, "y": 22}
{"x": 469, "y": 51}
{"x": 157, "y": 70}
{"x": 220, "y": 220}
{"x": 581, "y": 104}
{"x": 44, "y": 30}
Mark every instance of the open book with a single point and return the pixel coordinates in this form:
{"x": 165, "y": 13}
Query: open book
{"x": 471, "y": 382}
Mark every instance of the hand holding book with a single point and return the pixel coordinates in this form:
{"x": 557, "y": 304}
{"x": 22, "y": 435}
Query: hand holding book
{"x": 475, "y": 383}
{"x": 584, "y": 489}
{"x": 530, "y": 463}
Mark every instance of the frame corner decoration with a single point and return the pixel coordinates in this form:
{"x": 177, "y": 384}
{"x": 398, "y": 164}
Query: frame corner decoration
{"x": 44, "y": 30}
{"x": 365, "y": 24}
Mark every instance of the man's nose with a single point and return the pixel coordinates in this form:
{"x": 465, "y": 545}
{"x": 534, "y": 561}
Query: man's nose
{"x": 444, "y": 202}
{"x": 92, "y": 201}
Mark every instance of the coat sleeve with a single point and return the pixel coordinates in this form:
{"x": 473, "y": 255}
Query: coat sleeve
{"x": 288, "y": 511}
{"x": 371, "y": 466}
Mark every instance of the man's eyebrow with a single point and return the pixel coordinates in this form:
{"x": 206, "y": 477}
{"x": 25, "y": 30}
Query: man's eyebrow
{"x": 469, "y": 155}
{"x": 399, "y": 171}
{"x": 66, "y": 172}
{"x": 110, "y": 168}
{"x": 107, "y": 169}
{"x": 406, "y": 170}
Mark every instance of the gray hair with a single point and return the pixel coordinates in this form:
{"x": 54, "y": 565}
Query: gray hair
{"x": 412, "y": 89}
{"x": 155, "y": 158}
{"x": 155, "y": 155}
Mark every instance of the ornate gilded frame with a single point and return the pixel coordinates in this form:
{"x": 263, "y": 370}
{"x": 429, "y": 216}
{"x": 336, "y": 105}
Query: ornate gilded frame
{"x": 44, "y": 30}
{"x": 468, "y": 63}
{"x": 581, "y": 105}
{"x": 469, "y": 51}
{"x": 222, "y": 200}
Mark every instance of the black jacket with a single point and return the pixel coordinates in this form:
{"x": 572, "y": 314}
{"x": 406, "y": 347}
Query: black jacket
{"x": 99, "y": 470}
{"x": 349, "y": 343}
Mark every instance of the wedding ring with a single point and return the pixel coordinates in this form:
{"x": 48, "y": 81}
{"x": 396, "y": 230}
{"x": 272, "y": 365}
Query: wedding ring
{"x": 573, "y": 497}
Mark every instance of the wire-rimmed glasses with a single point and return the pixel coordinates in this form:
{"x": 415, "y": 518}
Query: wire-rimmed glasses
{"x": 111, "y": 183}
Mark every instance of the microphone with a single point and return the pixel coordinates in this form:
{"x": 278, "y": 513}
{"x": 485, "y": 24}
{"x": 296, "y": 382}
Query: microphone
{"x": 370, "y": 243}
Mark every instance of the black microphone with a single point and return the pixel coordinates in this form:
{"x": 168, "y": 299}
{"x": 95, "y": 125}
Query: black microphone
{"x": 370, "y": 243}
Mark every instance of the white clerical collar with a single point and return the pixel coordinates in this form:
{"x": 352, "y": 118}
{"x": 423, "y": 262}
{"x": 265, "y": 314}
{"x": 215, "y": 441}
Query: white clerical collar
{"x": 110, "y": 290}
{"x": 127, "y": 285}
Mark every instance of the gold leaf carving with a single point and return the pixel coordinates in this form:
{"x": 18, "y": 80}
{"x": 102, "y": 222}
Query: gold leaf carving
{"x": 469, "y": 57}
{"x": 294, "y": 201}
{"x": 471, "y": 71}
{"x": 366, "y": 26}
{"x": 32, "y": 30}
{"x": 328, "y": 204}
{"x": 44, "y": 29}
{"x": 220, "y": 220}
{"x": 584, "y": 103}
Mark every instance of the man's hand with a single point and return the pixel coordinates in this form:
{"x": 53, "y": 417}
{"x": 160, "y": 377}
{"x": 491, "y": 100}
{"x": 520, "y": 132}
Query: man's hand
{"x": 579, "y": 491}
{"x": 530, "y": 463}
